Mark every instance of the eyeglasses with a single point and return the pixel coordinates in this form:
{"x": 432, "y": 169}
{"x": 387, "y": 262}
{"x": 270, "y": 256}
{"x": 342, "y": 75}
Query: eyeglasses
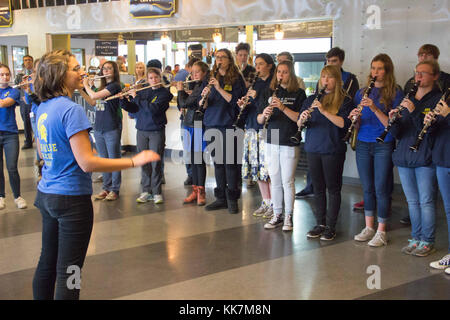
{"x": 421, "y": 73}
{"x": 76, "y": 69}
{"x": 106, "y": 68}
{"x": 221, "y": 57}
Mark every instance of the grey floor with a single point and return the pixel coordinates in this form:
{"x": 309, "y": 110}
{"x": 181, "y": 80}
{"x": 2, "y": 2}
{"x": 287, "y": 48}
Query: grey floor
{"x": 176, "y": 251}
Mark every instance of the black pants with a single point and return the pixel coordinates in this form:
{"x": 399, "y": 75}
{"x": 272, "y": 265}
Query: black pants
{"x": 25, "y": 110}
{"x": 326, "y": 175}
{"x": 226, "y": 168}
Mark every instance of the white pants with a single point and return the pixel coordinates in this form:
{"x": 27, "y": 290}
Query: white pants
{"x": 282, "y": 162}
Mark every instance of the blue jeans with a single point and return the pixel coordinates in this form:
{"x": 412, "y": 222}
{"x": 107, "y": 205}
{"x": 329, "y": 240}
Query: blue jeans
{"x": 374, "y": 162}
{"x": 419, "y": 186}
{"x": 108, "y": 146}
{"x": 9, "y": 142}
{"x": 66, "y": 230}
{"x": 443, "y": 178}
{"x": 186, "y": 149}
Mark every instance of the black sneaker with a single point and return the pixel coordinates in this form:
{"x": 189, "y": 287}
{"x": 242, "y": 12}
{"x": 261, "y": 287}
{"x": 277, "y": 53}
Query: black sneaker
{"x": 328, "y": 234}
{"x": 217, "y": 205}
{"x": 405, "y": 220}
{"x": 304, "y": 194}
{"x": 316, "y": 231}
{"x": 232, "y": 206}
{"x": 188, "y": 181}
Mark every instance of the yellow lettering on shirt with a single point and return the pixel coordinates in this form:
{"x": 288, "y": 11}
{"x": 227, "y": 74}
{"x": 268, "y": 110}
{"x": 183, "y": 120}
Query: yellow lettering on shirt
{"x": 228, "y": 87}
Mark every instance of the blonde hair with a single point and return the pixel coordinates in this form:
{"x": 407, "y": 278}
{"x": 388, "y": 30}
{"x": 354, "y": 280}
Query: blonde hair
{"x": 135, "y": 68}
{"x": 333, "y": 101}
{"x": 292, "y": 85}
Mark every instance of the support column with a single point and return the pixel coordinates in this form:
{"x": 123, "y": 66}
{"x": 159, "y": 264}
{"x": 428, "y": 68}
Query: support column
{"x": 58, "y": 42}
{"x": 131, "y": 46}
{"x": 249, "y": 40}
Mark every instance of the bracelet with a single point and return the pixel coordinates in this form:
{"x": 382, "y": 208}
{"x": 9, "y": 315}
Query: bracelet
{"x": 132, "y": 162}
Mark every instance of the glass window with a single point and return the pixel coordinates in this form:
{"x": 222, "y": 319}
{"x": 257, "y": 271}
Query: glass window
{"x": 80, "y": 56}
{"x": 18, "y": 54}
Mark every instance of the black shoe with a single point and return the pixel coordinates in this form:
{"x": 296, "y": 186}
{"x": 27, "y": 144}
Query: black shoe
{"x": 27, "y": 146}
{"x": 188, "y": 181}
{"x": 232, "y": 206}
{"x": 328, "y": 235}
{"x": 217, "y": 205}
{"x": 304, "y": 194}
{"x": 316, "y": 232}
{"x": 405, "y": 220}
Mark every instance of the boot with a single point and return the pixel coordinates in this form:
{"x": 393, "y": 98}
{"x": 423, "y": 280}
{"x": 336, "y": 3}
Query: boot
{"x": 192, "y": 197}
{"x": 201, "y": 196}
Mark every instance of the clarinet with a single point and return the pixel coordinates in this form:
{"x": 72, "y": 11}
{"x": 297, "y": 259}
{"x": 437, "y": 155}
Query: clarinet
{"x": 239, "y": 121}
{"x": 427, "y": 124}
{"x": 395, "y": 116}
{"x": 297, "y": 138}
{"x": 274, "y": 95}
{"x": 203, "y": 106}
{"x": 359, "y": 108}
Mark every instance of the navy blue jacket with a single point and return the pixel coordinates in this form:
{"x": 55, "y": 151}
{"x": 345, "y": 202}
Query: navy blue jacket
{"x": 279, "y": 120}
{"x": 440, "y": 130}
{"x": 251, "y": 111}
{"x": 323, "y": 136}
{"x": 149, "y": 108}
{"x": 108, "y": 115}
{"x": 220, "y": 113}
{"x": 190, "y": 102}
{"x": 407, "y": 128}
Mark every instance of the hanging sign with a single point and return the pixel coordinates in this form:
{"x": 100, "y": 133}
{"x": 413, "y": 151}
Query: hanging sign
{"x": 106, "y": 48}
{"x": 152, "y": 9}
{"x": 5, "y": 13}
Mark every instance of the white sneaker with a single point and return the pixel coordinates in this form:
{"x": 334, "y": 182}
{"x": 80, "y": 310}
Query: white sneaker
{"x": 276, "y": 221}
{"x": 288, "y": 224}
{"x": 442, "y": 264}
{"x": 379, "y": 240}
{"x": 365, "y": 235}
{"x": 447, "y": 271}
{"x": 269, "y": 213}
{"x": 144, "y": 197}
{"x": 2, "y": 203}
{"x": 158, "y": 198}
{"x": 20, "y": 203}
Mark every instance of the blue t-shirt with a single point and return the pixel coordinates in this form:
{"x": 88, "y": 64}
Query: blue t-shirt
{"x": 58, "y": 119}
{"x": 181, "y": 75}
{"x": 371, "y": 128}
{"x": 8, "y": 115}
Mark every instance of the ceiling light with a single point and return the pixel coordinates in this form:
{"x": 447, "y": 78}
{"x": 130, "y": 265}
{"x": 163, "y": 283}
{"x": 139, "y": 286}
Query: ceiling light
{"x": 279, "y": 33}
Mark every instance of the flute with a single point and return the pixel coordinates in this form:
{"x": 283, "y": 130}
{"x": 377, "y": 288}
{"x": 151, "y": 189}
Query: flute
{"x": 395, "y": 116}
{"x": 427, "y": 125}
{"x": 92, "y": 78}
{"x": 274, "y": 95}
{"x": 203, "y": 106}
{"x": 127, "y": 93}
{"x": 359, "y": 108}
{"x": 26, "y": 81}
{"x": 238, "y": 123}
{"x": 297, "y": 138}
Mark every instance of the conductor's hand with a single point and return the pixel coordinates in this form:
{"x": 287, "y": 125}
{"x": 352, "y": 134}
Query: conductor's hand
{"x": 145, "y": 157}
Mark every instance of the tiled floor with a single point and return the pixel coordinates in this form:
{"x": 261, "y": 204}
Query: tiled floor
{"x": 176, "y": 251}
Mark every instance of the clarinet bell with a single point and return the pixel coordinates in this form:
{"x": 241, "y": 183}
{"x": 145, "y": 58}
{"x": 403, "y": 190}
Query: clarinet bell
{"x": 297, "y": 138}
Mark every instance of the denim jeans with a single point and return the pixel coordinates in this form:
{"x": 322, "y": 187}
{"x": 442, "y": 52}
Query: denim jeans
{"x": 9, "y": 142}
{"x": 419, "y": 186}
{"x": 66, "y": 230}
{"x": 25, "y": 110}
{"x": 186, "y": 150}
{"x": 34, "y": 127}
{"x": 108, "y": 146}
{"x": 443, "y": 178}
{"x": 374, "y": 162}
{"x": 282, "y": 162}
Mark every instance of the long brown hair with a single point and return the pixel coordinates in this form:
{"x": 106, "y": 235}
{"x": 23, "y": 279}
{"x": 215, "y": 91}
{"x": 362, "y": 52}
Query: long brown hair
{"x": 50, "y": 74}
{"x": 232, "y": 74}
{"x": 388, "y": 91}
{"x": 333, "y": 101}
{"x": 116, "y": 74}
{"x": 292, "y": 85}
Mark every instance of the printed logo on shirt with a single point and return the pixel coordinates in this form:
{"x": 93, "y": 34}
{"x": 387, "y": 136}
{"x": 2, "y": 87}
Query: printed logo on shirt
{"x": 47, "y": 149}
{"x": 6, "y": 94}
{"x": 426, "y": 110}
{"x": 100, "y": 105}
{"x": 154, "y": 99}
{"x": 287, "y": 101}
{"x": 228, "y": 87}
